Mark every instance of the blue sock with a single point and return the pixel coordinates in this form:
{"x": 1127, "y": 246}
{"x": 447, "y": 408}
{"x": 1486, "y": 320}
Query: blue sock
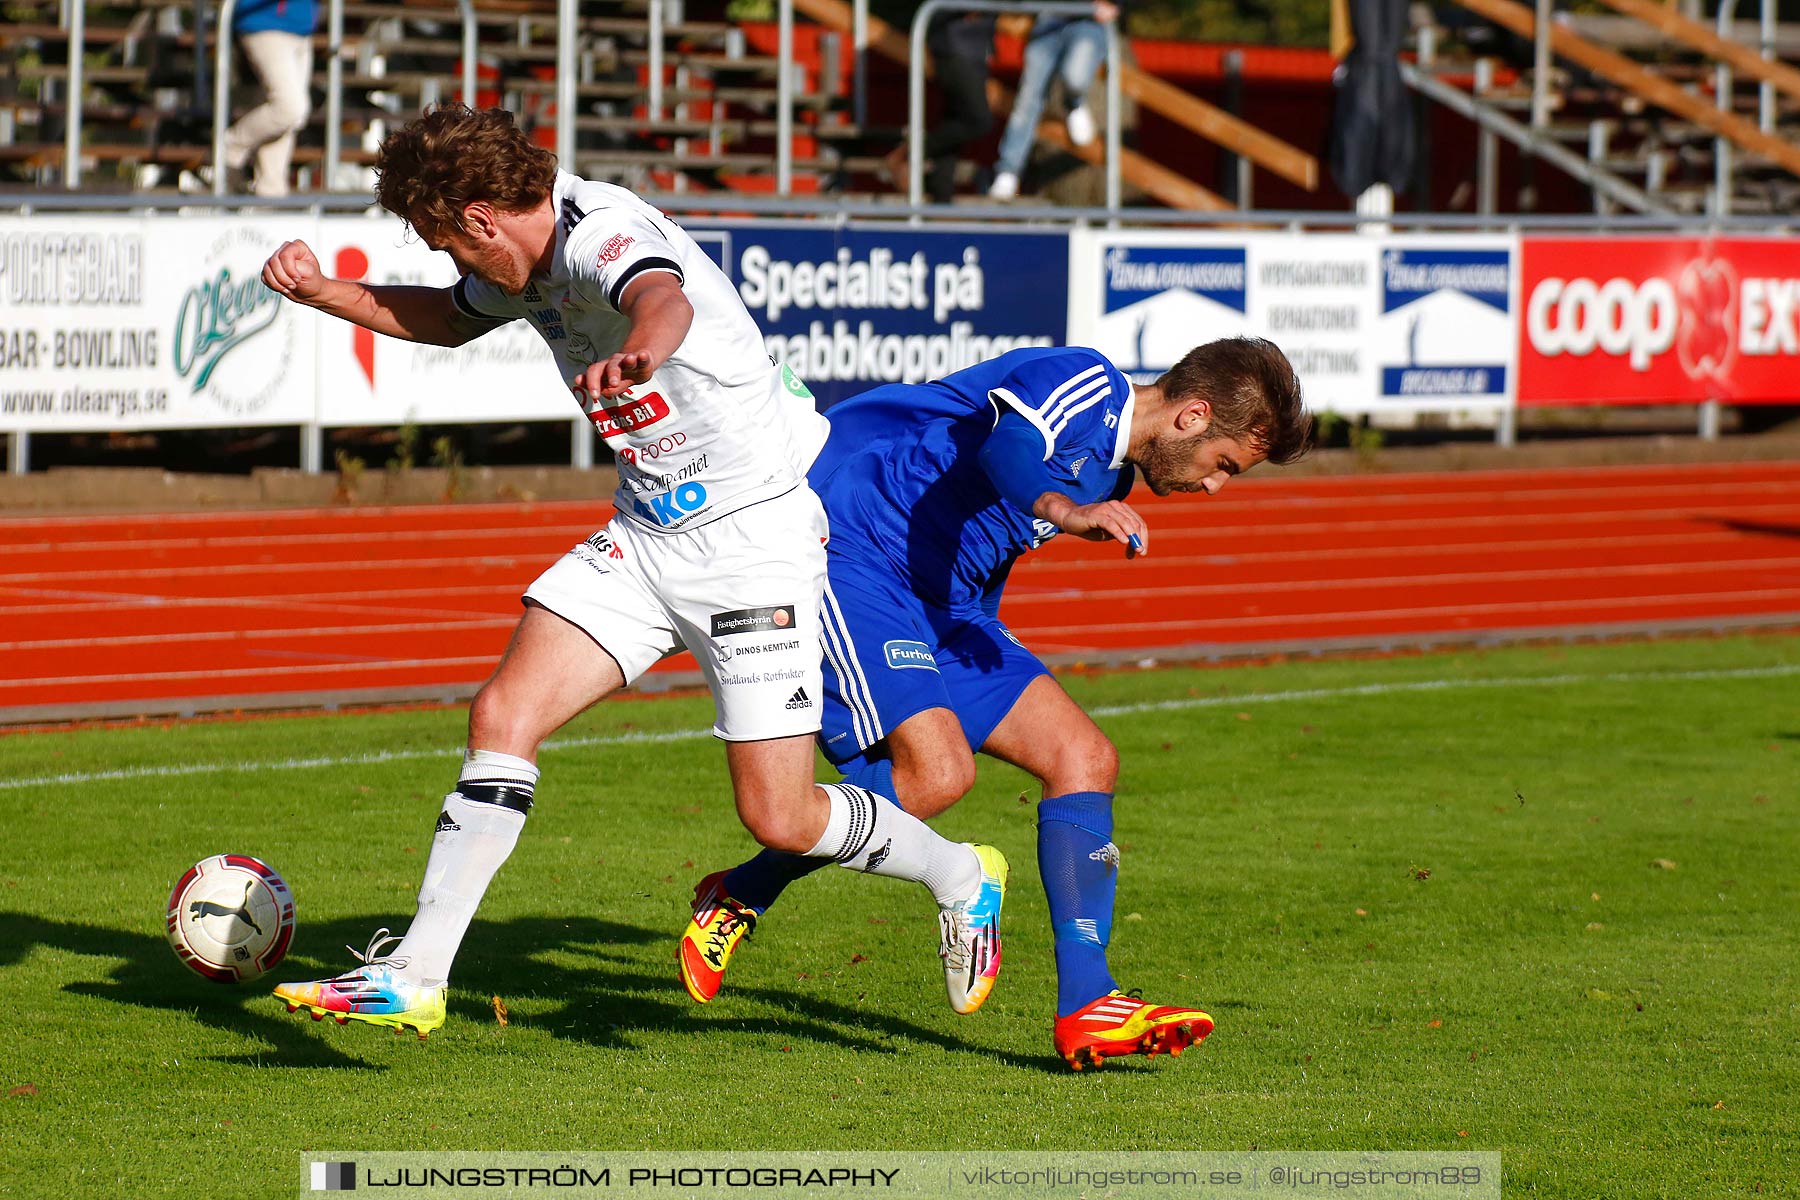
{"x": 761, "y": 881}
{"x": 1080, "y": 869}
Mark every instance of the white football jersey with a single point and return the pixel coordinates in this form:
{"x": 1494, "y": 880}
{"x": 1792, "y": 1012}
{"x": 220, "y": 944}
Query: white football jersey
{"x": 719, "y": 425}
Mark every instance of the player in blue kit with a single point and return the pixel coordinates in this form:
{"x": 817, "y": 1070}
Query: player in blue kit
{"x": 933, "y": 491}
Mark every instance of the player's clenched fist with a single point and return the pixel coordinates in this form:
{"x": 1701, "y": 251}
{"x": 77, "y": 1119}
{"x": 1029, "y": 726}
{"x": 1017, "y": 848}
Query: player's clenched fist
{"x": 293, "y": 271}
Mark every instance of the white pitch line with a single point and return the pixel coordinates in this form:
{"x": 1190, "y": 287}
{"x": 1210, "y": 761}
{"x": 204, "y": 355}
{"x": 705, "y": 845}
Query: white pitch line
{"x": 1112, "y": 710}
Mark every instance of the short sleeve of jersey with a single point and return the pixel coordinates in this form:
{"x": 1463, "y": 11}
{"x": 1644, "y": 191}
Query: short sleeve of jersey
{"x": 1065, "y": 394}
{"x": 612, "y": 247}
{"x": 480, "y": 300}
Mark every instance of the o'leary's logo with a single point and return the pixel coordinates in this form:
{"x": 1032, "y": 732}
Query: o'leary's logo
{"x": 225, "y": 309}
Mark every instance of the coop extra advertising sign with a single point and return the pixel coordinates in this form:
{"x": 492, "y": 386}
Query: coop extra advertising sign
{"x": 1659, "y": 320}
{"x": 854, "y": 307}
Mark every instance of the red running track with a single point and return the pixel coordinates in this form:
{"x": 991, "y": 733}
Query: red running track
{"x": 109, "y": 615}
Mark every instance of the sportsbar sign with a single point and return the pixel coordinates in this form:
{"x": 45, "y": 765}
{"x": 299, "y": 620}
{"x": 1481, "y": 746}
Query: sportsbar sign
{"x": 1659, "y": 320}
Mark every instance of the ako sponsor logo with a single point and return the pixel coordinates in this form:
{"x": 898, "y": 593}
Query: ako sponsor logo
{"x": 904, "y": 655}
{"x": 756, "y": 620}
{"x": 673, "y": 508}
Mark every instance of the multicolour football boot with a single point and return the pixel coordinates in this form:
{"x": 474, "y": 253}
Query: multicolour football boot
{"x": 970, "y": 944}
{"x": 1120, "y": 1023}
{"x": 718, "y": 925}
{"x": 371, "y": 993}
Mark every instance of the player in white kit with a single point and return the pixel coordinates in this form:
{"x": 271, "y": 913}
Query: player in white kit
{"x": 717, "y": 545}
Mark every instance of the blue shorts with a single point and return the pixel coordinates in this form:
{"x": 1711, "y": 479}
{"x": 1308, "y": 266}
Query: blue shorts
{"x": 890, "y": 655}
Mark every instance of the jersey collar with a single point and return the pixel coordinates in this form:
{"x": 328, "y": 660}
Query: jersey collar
{"x": 1124, "y": 442}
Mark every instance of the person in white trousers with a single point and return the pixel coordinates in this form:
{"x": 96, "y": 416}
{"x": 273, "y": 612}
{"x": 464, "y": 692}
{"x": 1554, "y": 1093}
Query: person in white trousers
{"x": 276, "y": 36}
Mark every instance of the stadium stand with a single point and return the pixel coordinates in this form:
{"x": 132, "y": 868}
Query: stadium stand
{"x": 1638, "y": 107}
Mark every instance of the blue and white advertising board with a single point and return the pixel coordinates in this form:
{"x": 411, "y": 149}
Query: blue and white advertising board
{"x": 1445, "y": 334}
{"x": 856, "y": 306}
{"x": 1370, "y": 324}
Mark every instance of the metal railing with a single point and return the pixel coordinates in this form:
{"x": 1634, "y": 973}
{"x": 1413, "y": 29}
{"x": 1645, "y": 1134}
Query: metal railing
{"x": 76, "y": 21}
{"x": 915, "y": 97}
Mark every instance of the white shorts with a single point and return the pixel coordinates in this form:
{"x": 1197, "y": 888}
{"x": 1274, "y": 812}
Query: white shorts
{"x": 742, "y": 592}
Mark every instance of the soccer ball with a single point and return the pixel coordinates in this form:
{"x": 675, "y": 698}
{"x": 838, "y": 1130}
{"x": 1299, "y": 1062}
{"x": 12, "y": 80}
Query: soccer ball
{"x": 231, "y": 918}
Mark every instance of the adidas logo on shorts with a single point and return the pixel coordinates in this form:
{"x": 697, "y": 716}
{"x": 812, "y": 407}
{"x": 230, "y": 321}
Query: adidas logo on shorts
{"x": 799, "y": 700}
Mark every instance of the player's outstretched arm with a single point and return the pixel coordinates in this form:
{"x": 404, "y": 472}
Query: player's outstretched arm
{"x": 660, "y": 317}
{"x": 417, "y": 314}
{"x": 1014, "y": 458}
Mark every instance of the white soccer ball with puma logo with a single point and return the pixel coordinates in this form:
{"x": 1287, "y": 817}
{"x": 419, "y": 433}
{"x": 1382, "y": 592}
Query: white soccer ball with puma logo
{"x": 231, "y": 918}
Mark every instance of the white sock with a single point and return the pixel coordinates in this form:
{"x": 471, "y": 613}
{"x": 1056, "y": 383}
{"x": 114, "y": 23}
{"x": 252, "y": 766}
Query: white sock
{"x": 867, "y": 833}
{"x": 477, "y": 829}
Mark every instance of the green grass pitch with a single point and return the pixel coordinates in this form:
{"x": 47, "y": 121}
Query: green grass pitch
{"x": 1534, "y": 900}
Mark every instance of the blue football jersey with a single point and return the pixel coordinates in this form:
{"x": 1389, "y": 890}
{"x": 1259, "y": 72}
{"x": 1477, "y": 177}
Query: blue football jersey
{"x": 901, "y": 477}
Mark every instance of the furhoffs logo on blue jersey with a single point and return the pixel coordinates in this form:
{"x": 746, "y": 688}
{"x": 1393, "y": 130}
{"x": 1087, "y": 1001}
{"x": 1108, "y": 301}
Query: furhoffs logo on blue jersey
{"x": 901, "y": 655}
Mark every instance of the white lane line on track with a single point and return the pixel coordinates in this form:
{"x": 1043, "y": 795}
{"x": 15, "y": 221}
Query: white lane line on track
{"x": 400, "y": 664}
{"x": 1377, "y": 582}
{"x": 1253, "y": 533}
{"x": 1337, "y": 525}
{"x": 1487, "y": 548}
{"x": 286, "y": 568}
{"x": 1111, "y": 710}
{"x": 255, "y": 541}
{"x": 431, "y": 513}
{"x": 1338, "y": 623}
{"x": 262, "y": 635}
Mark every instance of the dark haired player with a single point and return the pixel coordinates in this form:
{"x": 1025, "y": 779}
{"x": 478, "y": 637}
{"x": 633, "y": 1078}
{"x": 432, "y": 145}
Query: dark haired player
{"x": 934, "y": 491}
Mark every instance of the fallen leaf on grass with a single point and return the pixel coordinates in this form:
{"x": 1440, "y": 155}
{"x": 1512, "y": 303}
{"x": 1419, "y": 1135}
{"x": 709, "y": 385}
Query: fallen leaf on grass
{"x": 1663, "y": 864}
{"x": 856, "y": 958}
{"x": 500, "y": 1011}
{"x": 1362, "y": 912}
{"x": 1421, "y": 874}
{"x": 1718, "y": 1106}
{"x": 1134, "y": 916}
{"x": 1592, "y": 925}
{"x": 24, "y": 1089}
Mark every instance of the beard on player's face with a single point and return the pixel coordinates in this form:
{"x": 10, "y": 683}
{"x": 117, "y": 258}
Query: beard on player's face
{"x": 1170, "y": 461}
